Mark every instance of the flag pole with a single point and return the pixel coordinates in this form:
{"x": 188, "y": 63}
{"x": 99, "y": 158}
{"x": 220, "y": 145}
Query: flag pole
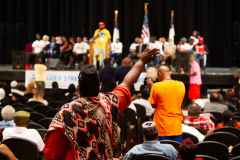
{"x": 145, "y": 7}
{"x": 116, "y": 15}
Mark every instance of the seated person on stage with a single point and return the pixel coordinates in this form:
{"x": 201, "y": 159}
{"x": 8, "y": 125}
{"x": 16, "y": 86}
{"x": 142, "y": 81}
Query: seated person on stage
{"x": 116, "y": 48}
{"x": 14, "y": 86}
{"x": 193, "y": 119}
{"x": 20, "y": 130}
{"x": 132, "y": 49}
{"x": 164, "y": 43}
{"x": 5, "y": 149}
{"x": 151, "y": 145}
{"x": 187, "y": 150}
{"x": 37, "y": 48}
{"x": 155, "y": 44}
{"x": 170, "y": 50}
{"x": 38, "y": 96}
{"x": 143, "y": 101}
{"x": 3, "y": 101}
{"x": 65, "y": 51}
{"x": 96, "y": 133}
{"x": 214, "y": 105}
{"x": 7, "y": 115}
{"x": 183, "y": 46}
{"x": 201, "y": 51}
{"x": 191, "y": 43}
{"x": 51, "y": 50}
{"x": 140, "y": 48}
{"x": 228, "y": 120}
{"x": 59, "y": 41}
{"x": 80, "y": 49}
{"x": 46, "y": 39}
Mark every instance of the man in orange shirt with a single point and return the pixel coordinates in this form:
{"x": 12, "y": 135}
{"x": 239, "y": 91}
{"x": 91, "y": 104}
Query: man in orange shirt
{"x": 167, "y": 96}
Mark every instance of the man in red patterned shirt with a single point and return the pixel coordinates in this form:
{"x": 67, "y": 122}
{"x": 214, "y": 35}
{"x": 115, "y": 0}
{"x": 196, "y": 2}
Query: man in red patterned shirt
{"x": 194, "y": 119}
{"x": 87, "y": 128}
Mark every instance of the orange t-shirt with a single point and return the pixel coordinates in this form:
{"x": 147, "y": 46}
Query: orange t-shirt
{"x": 168, "y": 95}
{"x": 237, "y": 125}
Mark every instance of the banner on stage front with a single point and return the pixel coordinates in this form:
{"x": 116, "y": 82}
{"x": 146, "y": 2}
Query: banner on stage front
{"x": 64, "y": 78}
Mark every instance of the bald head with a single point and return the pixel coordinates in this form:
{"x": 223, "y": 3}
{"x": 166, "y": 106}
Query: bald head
{"x": 127, "y": 61}
{"x": 214, "y": 97}
{"x": 194, "y": 110}
{"x": 163, "y": 73}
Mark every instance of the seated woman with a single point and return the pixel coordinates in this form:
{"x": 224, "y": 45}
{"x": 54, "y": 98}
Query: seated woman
{"x": 187, "y": 150}
{"x": 38, "y": 96}
{"x": 5, "y": 149}
{"x": 30, "y": 88}
{"x": 228, "y": 120}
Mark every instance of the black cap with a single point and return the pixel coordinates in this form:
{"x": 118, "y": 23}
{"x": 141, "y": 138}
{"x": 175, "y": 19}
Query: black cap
{"x": 88, "y": 73}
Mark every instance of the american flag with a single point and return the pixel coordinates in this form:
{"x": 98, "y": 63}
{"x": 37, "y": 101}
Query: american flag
{"x": 145, "y": 27}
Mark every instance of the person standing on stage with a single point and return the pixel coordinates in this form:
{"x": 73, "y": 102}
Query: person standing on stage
{"x": 201, "y": 52}
{"x": 195, "y": 80}
{"x": 102, "y": 37}
{"x": 167, "y": 97}
{"x": 183, "y": 45}
{"x": 155, "y": 44}
{"x": 133, "y": 47}
{"x": 116, "y": 48}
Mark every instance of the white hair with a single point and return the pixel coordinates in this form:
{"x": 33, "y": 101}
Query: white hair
{"x": 46, "y": 36}
{"x": 152, "y": 73}
{"x": 7, "y": 113}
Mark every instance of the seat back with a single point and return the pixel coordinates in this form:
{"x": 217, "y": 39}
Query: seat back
{"x": 130, "y": 116}
{"x": 141, "y": 114}
{"x": 52, "y": 112}
{"x": 29, "y": 95}
{"x": 56, "y": 104}
{"x": 45, "y": 122}
{"x": 35, "y": 117}
{"x": 10, "y": 102}
{"x": 173, "y": 143}
{"x": 42, "y": 132}
{"x": 237, "y": 114}
{"x": 19, "y": 105}
{"x": 16, "y": 95}
{"x": 214, "y": 120}
{"x": 236, "y": 150}
{"x": 213, "y": 149}
{"x": 223, "y": 137}
{"x": 24, "y": 109}
{"x": 41, "y": 108}
{"x": 186, "y": 135}
{"x": 3, "y": 156}
{"x": 232, "y": 130}
{"x": 23, "y": 149}
{"x": 152, "y": 157}
{"x": 236, "y": 118}
{"x": 202, "y": 131}
{"x": 235, "y": 158}
{"x": 23, "y": 100}
{"x": 121, "y": 124}
{"x": 32, "y": 103}
{"x": 33, "y": 125}
{"x": 204, "y": 157}
{"x": 217, "y": 115}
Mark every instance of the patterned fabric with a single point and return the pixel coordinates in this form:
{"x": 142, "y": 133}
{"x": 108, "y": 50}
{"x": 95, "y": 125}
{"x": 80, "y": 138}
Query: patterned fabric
{"x": 200, "y": 122}
{"x": 91, "y": 123}
{"x": 6, "y": 124}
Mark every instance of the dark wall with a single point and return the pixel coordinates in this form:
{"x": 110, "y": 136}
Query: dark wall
{"x": 20, "y": 20}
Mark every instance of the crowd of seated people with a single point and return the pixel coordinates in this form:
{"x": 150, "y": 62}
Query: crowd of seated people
{"x": 59, "y": 47}
{"x": 92, "y": 114}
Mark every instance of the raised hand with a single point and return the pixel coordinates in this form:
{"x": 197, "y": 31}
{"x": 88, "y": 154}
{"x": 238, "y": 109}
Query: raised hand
{"x": 149, "y": 55}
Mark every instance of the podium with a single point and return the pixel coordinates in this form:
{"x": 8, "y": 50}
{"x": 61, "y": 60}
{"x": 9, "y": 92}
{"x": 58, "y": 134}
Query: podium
{"x": 91, "y": 51}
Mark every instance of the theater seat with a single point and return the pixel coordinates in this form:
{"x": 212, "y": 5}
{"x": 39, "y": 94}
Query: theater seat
{"x": 23, "y": 100}
{"x": 235, "y": 158}
{"x": 33, "y": 103}
{"x": 213, "y": 149}
{"x": 35, "y": 117}
{"x": 232, "y": 130}
{"x": 41, "y": 108}
{"x": 45, "y": 122}
{"x": 55, "y": 104}
{"x": 223, "y": 137}
{"x": 204, "y": 157}
{"x": 151, "y": 157}
{"x": 42, "y": 132}
{"x": 236, "y": 150}
{"x": 191, "y": 136}
{"x": 33, "y": 125}
{"x": 173, "y": 143}
{"x": 52, "y": 112}
{"x": 23, "y": 149}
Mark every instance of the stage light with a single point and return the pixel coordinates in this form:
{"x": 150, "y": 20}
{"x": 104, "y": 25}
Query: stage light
{"x": 17, "y": 66}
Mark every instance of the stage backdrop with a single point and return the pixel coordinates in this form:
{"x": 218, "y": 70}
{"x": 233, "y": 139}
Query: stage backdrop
{"x": 20, "y": 20}
{"x": 65, "y": 78}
